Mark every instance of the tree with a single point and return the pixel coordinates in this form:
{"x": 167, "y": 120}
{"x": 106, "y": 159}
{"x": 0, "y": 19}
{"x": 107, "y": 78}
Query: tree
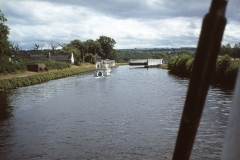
{"x": 113, "y": 55}
{"x": 90, "y": 58}
{"x": 4, "y": 30}
{"x": 38, "y": 46}
{"x": 107, "y": 45}
{"x": 93, "y": 47}
{"x": 78, "y": 45}
{"x": 159, "y": 55}
{"x": 68, "y": 48}
{"x": 14, "y": 48}
{"x": 181, "y": 64}
{"x": 225, "y": 49}
{"x": 236, "y": 51}
{"x": 53, "y": 46}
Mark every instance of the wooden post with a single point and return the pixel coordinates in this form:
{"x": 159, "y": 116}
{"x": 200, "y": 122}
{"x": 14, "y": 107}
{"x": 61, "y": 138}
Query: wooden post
{"x": 204, "y": 65}
{"x": 231, "y": 149}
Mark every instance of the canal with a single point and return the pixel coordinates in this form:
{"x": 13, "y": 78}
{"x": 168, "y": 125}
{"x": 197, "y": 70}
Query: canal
{"x": 132, "y": 114}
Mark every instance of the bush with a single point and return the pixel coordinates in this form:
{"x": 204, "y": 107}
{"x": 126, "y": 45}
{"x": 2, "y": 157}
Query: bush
{"x": 90, "y": 58}
{"x": 172, "y": 62}
{"x": 226, "y": 71}
{"x": 14, "y": 67}
{"x": 178, "y": 64}
{"x": 77, "y": 63}
{"x": 189, "y": 66}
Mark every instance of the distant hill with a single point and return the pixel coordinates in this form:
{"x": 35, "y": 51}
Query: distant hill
{"x": 154, "y": 50}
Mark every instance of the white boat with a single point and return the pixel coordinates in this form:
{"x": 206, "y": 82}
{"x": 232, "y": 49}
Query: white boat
{"x": 102, "y": 69}
{"x": 101, "y": 72}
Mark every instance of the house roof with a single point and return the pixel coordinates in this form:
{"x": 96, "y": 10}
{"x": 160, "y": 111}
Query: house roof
{"x": 37, "y": 57}
{"x": 51, "y": 57}
{"x": 60, "y": 57}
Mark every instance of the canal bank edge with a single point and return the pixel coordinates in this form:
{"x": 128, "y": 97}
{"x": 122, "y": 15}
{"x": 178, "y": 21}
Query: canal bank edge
{"x": 41, "y": 77}
{"x": 22, "y": 80}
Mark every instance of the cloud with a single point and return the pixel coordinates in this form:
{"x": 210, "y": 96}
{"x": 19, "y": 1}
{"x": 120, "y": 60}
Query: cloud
{"x": 133, "y": 24}
{"x": 142, "y": 9}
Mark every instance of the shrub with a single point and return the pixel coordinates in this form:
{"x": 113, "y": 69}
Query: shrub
{"x": 189, "y": 66}
{"x": 90, "y": 58}
{"x": 77, "y": 63}
{"x": 178, "y": 64}
{"x": 171, "y": 62}
{"x": 226, "y": 71}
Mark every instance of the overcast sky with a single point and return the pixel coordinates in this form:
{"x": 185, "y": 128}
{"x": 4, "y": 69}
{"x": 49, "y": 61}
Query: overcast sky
{"x": 131, "y": 23}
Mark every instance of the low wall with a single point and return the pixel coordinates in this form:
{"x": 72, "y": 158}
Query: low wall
{"x": 138, "y": 62}
{"x": 35, "y": 67}
{"x": 155, "y": 62}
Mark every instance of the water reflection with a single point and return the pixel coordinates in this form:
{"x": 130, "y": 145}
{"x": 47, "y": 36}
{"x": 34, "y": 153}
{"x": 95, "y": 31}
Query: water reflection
{"x": 132, "y": 114}
{"x": 213, "y": 124}
{"x": 5, "y": 108}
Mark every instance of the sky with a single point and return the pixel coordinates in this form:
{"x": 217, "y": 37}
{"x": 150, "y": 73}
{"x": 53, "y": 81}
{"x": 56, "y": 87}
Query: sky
{"x": 131, "y": 23}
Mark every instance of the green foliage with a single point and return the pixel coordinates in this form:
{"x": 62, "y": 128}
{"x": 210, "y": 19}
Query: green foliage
{"x": 93, "y": 47}
{"x": 15, "y": 67}
{"x": 102, "y": 46}
{"x": 225, "y": 49}
{"x": 107, "y": 45}
{"x": 226, "y": 70}
{"x": 4, "y": 30}
{"x": 228, "y": 50}
{"x": 113, "y": 55}
{"x": 14, "y": 48}
{"x": 159, "y": 55}
{"x": 50, "y": 65}
{"x": 77, "y": 63}
{"x": 236, "y": 51}
{"x": 164, "y": 66}
{"x": 181, "y": 64}
{"x": 12, "y": 67}
{"x": 222, "y": 64}
{"x": 66, "y": 49}
{"x": 189, "y": 66}
{"x": 171, "y": 62}
{"x": 8, "y": 84}
{"x": 120, "y": 61}
{"x": 225, "y": 74}
{"x": 79, "y": 45}
{"x": 126, "y": 56}
{"x": 90, "y": 58}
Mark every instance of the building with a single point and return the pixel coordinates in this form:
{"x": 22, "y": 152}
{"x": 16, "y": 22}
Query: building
{"x": 57, "y": 58}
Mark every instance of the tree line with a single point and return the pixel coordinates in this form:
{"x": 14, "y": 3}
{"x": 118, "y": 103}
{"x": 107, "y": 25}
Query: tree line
{"x": 225, "y": 71}
{"x": 126, "y": 56}
{"x": 233, "y": 52}
{"x": 103, "y": 46}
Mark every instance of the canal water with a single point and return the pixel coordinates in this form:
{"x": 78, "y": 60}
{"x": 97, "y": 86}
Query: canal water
{"x": 132, "y": 114}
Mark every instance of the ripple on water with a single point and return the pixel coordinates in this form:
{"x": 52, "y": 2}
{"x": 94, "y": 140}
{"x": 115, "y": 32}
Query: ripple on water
{"x": 132, "y": 114}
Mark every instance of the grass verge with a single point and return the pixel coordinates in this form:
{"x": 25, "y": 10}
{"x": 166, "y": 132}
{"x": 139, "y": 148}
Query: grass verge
{"x": 13, "y": 83}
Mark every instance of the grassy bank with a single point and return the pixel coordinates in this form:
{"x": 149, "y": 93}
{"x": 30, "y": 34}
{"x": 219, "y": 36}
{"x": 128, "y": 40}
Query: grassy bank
{"x": 164, "y": 66}
{"x": 225, "y": 71}
{"x": 20, "y": 66}
{"x": 16, "y": 82}
{"x": 120, "y": 64}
